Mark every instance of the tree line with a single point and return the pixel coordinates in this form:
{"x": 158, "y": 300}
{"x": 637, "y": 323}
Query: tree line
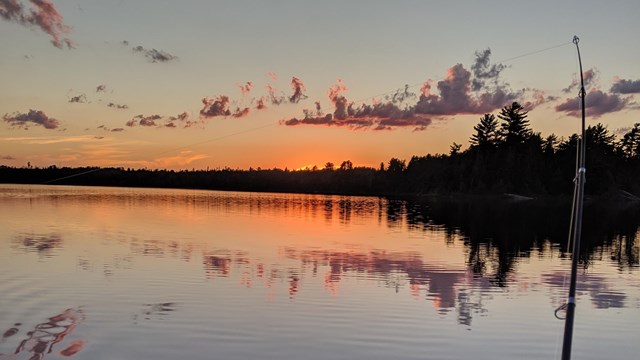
{"x": 504, "y": 156}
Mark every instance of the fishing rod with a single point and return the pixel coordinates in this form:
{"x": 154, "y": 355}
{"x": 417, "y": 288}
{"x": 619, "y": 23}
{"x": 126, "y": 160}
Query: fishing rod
{"x": 576, "y": 222}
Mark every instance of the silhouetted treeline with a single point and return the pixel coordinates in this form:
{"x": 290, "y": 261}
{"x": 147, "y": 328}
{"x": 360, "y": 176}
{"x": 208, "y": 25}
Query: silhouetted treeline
{"x": 505, "y": 156}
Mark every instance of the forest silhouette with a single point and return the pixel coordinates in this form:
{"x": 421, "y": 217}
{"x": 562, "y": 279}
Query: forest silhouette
{"x": 504, "y": 156}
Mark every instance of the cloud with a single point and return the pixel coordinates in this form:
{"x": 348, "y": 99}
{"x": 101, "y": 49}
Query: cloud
{"x": 147, "y": 121}
{"x": 37, "y": 117}
{"x": 109, "y": 129}
{"x": 46, "y": 140}
{"x": 240, "y": 112}
{"x": 7, "y": 157}
{"x": 101, "y": 88}
{"x": 457, "y": 94}
{"x": 461, "y": 92}
{"x": 159, "y": 121}
{"x": 275, "y": 99}
{"x": 622, "y": 86}
{"x": 261, "y": 103}
{"x": 298, "y": 90}
{"x": 82, "y": 98}
{"x": 41, "y": 14}
{"x": 483, "y": 69}
{"x": 218, "y": 106}
{"x": 117, "y": 106}
{"x": 379, "y": 116}
{"x": 590, "y": 78}
{"x": 153, "y": 55}
{"x": 597, "y": 104}
{"x": 246, "y": 87}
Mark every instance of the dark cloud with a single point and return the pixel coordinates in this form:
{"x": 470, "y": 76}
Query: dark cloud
{"x": 101, "y": 88}
{"x": 213, "y": 107}
{"x": 597, "y": 103}
{"x": 219, "y": 107}
{"x": 82, "y": 98}
{"x": 298, "y": 90}
{"x": 117, "y": 106}
{"x": 152, "y": 55}
{"x": 622, "y": 86}
{"x": 37, "y": 117}
{"x": 117, "y": 129}
{"x": 184, "y": 120}
{"x": 159, "y": 121}
{"x": 483, "y": 70}
{"x": 41, "y": 14}
{"x": 147, "y": 121}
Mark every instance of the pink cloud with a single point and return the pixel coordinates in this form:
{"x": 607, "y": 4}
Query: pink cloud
{"x": 42, "y": 14}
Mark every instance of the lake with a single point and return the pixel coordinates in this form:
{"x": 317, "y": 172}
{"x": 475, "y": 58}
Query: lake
{"x": 124, "y": 273}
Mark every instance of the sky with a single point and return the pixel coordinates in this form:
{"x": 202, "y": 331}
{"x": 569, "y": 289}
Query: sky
{"x": 292, "y": 84}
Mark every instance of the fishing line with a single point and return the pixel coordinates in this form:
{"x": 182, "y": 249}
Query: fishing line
{"x": 499, "y": 62}
{"x": 277, "y": 122}
{"x": 171, "y": 150}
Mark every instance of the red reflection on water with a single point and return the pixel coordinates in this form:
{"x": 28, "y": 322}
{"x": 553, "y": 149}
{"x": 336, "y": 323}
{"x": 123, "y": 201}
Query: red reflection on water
{"x": 74, "y": 347}
{"x": 45, "y": 335}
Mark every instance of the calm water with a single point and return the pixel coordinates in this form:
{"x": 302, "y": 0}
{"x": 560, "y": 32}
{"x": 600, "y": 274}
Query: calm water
{"x": 117, "y": 273}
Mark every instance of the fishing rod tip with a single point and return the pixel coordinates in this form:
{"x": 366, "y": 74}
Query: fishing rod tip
{"x": 576, "y": 39}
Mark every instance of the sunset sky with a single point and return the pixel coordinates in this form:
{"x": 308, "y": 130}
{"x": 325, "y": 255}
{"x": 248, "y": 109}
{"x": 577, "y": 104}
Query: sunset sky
{"x": 288, "y": 84}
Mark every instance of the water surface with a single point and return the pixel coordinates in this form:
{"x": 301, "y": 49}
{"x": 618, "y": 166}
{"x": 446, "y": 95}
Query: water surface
{"x": 119, "y": 273}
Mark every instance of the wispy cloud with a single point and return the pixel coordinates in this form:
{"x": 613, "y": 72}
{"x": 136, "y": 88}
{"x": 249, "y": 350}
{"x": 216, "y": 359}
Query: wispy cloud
{"x": 33, "y": 117}
{"x": 153, "y": 55}
{"x": 117, "y": 106}
{"x": 82, "y": 98}
{"x": 7, "y": 157}
{"x": 182, "y": 159}
{"x": 590, "y": 79}
{"x": 182, "y": 120}
{"x": 46, "y": 140}
{"x": 246, "y": 87}
{"x": 105, "y": 128}
{"x": 41, "y": 14}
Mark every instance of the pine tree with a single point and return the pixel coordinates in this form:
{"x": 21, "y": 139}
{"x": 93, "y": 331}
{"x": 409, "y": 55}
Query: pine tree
{"x": 515, "y": 126}
{"x": 486, "y": 135}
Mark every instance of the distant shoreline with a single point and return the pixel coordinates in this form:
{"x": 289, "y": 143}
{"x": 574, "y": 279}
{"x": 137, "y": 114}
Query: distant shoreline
{"x": 353, "y": 182}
